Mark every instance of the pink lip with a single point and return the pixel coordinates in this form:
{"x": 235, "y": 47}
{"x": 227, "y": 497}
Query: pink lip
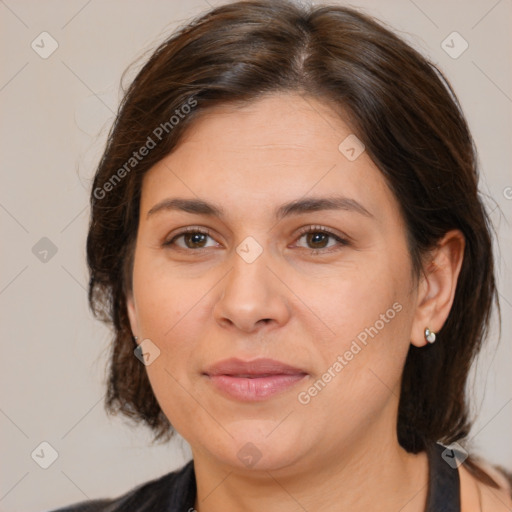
{"x": 253, "y": 380}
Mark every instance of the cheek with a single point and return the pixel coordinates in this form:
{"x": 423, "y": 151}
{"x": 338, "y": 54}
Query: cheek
{"x": 361, "y": 371}
{"x": 167, "y": 310}
{"x": 363, "y": 354}
{"x": 364, "y": 300}
{"x": 369, "y": 345}
{"x": 173, "y": 312}
{"x": 163, "y": 298}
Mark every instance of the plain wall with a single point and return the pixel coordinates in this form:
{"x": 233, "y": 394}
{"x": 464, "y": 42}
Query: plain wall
{"x": 55, "y": 114}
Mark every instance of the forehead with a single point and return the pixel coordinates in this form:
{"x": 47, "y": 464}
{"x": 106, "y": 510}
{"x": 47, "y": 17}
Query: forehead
{"x": 277, "y": 149}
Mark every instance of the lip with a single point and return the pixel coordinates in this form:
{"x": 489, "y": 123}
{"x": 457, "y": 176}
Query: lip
{"x": 254, "y": 380}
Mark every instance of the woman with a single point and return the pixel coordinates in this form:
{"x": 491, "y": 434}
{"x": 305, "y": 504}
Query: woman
{"x": 288, "y": 240}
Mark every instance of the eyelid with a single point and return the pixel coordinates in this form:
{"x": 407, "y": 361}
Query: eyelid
{"x": 313, "y": 228}
{"x": 341, "y": 239}
{"x": 189, "y": 229}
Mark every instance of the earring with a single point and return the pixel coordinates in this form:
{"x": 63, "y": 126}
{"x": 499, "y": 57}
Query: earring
{"x": 135, "y": 338}
{"x": 430, "y": 336}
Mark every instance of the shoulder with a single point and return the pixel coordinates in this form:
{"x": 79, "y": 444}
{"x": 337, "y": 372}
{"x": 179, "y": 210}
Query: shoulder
{"x": 477, "y": 496}
{"x": 168, "y": 492}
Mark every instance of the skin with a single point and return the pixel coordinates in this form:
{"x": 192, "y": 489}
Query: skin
{"x": 200, "y": 302}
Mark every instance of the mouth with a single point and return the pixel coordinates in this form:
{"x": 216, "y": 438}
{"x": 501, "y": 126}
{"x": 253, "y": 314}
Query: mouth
{"x": 255, "y": 380}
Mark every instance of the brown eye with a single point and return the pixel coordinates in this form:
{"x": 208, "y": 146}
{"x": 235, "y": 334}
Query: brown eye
{"x": 317, "y": 239}
{"x": 193, "y": 239}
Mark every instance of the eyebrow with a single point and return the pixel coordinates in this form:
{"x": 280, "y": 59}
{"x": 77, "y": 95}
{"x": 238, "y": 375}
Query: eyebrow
{"x": 296, "y": 207}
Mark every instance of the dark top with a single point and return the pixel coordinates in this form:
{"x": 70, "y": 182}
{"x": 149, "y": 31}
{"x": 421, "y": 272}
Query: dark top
{"x": 176, "y": 491}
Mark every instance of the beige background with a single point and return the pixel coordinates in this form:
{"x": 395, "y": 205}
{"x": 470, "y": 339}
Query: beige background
{"x": 55, "y": 113}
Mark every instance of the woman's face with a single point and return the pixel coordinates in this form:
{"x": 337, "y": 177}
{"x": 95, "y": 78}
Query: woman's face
{"x": 338, "y": 304}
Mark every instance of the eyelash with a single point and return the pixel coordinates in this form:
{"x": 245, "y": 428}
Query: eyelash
{"x": 303, "y": 231}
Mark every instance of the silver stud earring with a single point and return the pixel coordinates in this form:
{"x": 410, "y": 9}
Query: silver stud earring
{"x": 135, "y": 338}
{"x": 430, "y": 336}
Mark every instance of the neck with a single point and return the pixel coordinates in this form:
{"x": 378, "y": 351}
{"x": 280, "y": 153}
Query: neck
{"x": 374, "y": 469}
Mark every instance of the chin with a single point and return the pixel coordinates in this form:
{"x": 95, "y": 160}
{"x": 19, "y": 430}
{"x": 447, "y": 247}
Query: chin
{"x": 254, "y": 449}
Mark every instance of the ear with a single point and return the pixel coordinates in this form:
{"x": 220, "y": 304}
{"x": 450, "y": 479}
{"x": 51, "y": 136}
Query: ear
{"x": 132, "y": 314}
{"x": 437, "y": 286}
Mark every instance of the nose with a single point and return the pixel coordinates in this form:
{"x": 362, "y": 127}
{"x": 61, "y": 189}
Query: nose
{"x": 252, "y": 295}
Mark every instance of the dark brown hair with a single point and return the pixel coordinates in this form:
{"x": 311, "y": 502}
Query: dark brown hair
{"x": 399, "y": 105}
